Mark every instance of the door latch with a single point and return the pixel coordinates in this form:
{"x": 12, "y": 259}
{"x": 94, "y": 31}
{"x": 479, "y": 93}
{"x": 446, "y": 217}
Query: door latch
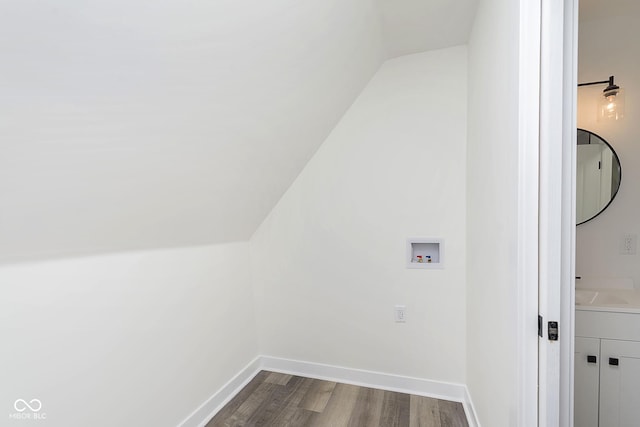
{"x": 553, "y": 331}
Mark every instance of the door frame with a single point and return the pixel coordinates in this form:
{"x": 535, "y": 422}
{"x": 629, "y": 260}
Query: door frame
{"x": 558, "y": 103}
{"x": 528, "y": 208}
{"x": 570, "y": 155}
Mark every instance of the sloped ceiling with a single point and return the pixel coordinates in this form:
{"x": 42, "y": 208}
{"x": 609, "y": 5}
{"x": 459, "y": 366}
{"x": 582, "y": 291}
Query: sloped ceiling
{"x": 157, "y": 123}
{"x": 411, "y": 26}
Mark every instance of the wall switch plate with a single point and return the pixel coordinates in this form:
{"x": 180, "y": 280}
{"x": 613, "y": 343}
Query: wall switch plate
{"x": 628, "y": 244}
{"x": 400, "y": 313}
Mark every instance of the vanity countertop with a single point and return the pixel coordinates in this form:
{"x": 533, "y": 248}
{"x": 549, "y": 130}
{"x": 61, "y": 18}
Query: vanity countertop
{"x": 611, "y": 300}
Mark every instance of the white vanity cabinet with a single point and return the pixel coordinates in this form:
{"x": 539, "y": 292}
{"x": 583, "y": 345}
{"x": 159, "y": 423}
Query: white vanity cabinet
{"x": 587, "y": 382}
{"x": 620, "y": 383}
{"x": 607, "y": 369}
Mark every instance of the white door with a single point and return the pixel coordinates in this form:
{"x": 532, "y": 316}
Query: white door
{"x": 595, "y": 164}
{"x": 589, "y": 176}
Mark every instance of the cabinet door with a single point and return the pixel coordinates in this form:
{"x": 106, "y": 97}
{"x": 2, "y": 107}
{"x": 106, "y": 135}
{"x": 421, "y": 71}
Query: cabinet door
{"x": 619, "y": 383}
{"x": 587, "y": 374}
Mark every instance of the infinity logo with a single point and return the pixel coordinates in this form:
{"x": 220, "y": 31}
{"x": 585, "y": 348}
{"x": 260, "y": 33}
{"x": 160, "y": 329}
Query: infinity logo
{"x": 21, "y": 405}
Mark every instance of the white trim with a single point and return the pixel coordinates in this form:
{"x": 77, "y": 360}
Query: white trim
{"x": 470, "y": 410}
{"x": 205, "y": 412}
{"x": 567, "y": 312}
{"x": 362, "y": 378}
{"x": 553, "y": 207}
{"x": 410, "y": 385}
{"x": 528, "y": 205}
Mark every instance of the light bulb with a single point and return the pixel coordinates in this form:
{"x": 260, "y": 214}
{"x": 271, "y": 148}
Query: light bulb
{"x": 611, "y": 107}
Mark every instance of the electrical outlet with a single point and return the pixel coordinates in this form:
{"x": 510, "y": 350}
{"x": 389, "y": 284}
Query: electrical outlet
{"x": 628, "y": 244}
{"x": 400, "y": 313}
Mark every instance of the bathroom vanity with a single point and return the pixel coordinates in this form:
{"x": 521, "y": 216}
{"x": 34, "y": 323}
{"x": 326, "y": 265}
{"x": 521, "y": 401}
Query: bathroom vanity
{"x": 607, "y": 358}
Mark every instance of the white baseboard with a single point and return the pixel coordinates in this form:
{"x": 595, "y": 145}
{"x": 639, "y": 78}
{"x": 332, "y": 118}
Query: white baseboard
{"x": 359, "y": 377}
{"x": 205, "y": 412}
{"x": 470, "y": 410}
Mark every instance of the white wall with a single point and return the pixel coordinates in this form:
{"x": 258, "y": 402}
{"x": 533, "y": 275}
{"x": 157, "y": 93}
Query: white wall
{"x": 329, "y": 261}
{"x": 608, "y": 46}
{"x": 492, "y": 176}
{"x": 133, "y": 339}
{"x": 151, "y": 124}
{"x": 413, "y": 26}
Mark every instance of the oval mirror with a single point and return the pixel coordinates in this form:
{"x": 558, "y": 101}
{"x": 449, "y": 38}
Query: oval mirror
{"x": 598, "y": 176}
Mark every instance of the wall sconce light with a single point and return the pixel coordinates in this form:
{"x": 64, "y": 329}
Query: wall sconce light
{"x": 611, "y": 104}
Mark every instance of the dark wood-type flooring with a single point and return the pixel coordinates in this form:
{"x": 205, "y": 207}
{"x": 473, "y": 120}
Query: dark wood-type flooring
{"x": 279, "y": 400}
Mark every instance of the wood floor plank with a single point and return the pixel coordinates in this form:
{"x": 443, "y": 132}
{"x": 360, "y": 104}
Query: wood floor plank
{"x": 339, "y": 408}
{"x": 280, "y": 400}
{"x": 368, "y": 408}
{"x": 424, "y": 412}
{"x": 238, "y": 400}
{"x": 452, "y": 414}
{"x": 278, "y": 378}
{"x": 395, "y": 409}
{"x": 282, "y": 404}
{"x": 298, "y": 418}
{"x": 318, "y": 396}
{"x": 293, "y": 417}
{"x": 253, "y": 403}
